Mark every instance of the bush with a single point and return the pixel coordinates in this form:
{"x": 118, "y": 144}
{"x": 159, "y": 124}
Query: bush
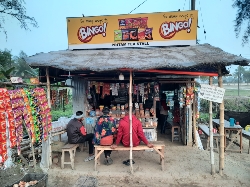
{"x": 204, "y": 117}
{"x": 68, "y": 112}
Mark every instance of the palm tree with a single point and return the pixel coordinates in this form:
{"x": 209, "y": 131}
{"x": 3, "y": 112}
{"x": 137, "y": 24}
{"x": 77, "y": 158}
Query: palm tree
{"x": 22, "y": 68}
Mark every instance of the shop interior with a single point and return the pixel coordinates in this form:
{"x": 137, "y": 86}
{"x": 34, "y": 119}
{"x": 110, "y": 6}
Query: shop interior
{"x": 147, "y": 101}
{"x": 95, "y": 90}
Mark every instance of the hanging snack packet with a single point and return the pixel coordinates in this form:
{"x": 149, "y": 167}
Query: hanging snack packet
{"x": 122, "y": 23}
{"x": 118, "y": 35}
{"x": 136, "y": 22}
{"x": 144, "y": 23}
{"x": 133, "y": 34}
{"x": 125, "y": 34}
{"x": 129, "y": 23}
{"x": 149, "y": 34}
{"x": 141, "y": 34}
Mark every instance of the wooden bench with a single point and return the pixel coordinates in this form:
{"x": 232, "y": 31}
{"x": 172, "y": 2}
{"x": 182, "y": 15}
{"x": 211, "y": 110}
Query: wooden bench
{"x": 159, "y": 147}
{"x": 246, "y": 134}
{"x": 71, "y": 148}
{"x": 216, "y": 136}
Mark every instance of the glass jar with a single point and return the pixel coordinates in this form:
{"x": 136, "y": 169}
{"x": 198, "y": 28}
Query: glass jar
{"x": 122, "y": 107}
{"x": 118, "y": 107}
{"x": 97, "y": 112}
{"x": 143, "y": 122}
{"x": 142, "y": 113}
{"x": 137, "y": 113}
{"x": 147, "y": 113}
{"x": 147, "y": 124}
{"x": 150, "y": 121}
{"x": 155, "y": 122}
{"x": 141, "y": 106}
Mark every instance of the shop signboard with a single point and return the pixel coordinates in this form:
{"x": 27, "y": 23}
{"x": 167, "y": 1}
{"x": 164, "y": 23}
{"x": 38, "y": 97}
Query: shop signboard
{"x": 212, "y": 93}
{"x": 133, "y": 30}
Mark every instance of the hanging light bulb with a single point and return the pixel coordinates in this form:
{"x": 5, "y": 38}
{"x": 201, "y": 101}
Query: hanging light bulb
{"x": 121, "y": 77}
{"x": 69, "y": 76}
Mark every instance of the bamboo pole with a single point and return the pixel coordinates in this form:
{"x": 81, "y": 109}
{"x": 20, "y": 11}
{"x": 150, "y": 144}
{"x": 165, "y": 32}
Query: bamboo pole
{"x": 48, "y": 86}
{"x": 31, "y": 144}
{"x": 222, "y": 142}
{"x": 130, "y": 122}
{"x": 211, "y": 132}
{"x": 194, "y": 119}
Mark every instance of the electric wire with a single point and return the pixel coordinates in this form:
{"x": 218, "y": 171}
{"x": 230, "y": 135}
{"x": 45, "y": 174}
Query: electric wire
{"x": 184, "y": 4}
{"x": 202, "y": 19}
{"x": 137, "y": 7}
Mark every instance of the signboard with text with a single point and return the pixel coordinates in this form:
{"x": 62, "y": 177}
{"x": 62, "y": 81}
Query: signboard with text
{"x": 212, "y": 93}
{"x": 133, "y": 30}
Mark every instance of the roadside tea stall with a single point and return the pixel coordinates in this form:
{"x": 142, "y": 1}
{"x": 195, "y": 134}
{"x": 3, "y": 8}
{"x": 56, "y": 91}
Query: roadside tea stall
{"x": 145, "y": 58}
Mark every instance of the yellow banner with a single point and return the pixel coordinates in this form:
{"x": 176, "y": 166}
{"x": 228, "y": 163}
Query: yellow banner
{"x": 133, "y": 30}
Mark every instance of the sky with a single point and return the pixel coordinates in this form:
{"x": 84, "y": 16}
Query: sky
{"x": 216, "y": 17}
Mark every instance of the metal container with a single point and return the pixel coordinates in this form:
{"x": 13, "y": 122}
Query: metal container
{"x": 41, "y": 178}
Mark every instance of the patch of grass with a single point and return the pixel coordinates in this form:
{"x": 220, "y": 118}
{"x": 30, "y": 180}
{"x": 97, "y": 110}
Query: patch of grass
{"x": 234, "y": 92}
{"x": 204, "y": 117}
{"x": 68, "y": 112}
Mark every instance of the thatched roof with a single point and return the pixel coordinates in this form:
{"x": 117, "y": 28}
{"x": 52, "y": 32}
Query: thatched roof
{"x": 146, "y": 58}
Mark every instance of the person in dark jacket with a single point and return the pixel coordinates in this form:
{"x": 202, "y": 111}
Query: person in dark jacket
{"x": 77, "y": 134}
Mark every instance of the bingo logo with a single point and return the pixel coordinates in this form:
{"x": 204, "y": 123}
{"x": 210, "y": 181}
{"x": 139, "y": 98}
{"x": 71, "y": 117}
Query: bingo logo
{"x": 168, "y": 30}
{"x": 85, "y": 34}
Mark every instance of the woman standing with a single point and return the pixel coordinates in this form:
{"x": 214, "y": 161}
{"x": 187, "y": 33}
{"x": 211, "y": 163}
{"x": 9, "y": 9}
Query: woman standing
{"x": 163, "y": 113}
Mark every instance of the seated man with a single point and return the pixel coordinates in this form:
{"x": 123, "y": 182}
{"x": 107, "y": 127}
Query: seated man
{"x": 123, "y": 134}
{"x": 76, "y": 133}
{"x": 104, "y": 130}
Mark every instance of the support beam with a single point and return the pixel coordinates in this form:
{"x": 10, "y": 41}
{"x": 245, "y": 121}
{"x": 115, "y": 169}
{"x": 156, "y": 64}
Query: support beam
{"x": 192, "y": 4}
{"x": 211, "y": 132}
{"x": 130, "y": 123}
{"x": 173, "y": 72}
{"x": 222, "y": 142}
{"x": 194, "y": 119}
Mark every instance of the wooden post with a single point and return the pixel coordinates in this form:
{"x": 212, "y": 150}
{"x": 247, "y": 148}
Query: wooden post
{"x": 211, "y": 131}
{"x": 130, "y": 122}
{"x": 192, "y": 4}
{"x": 48, "y": 86}
{"x": 194, "y": 120}
{"x": 222, "y": 142}
{"x": 31, "y": 144}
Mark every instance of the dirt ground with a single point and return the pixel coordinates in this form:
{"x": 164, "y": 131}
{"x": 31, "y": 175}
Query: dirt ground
{"x": 184, "y": 167}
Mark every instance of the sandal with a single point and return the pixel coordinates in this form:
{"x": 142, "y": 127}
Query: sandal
{"x": 109, "y": 161}
{"x": 90, "y": 158}
{"x": 127, "y": 162}
{"x": 105, "y": 162}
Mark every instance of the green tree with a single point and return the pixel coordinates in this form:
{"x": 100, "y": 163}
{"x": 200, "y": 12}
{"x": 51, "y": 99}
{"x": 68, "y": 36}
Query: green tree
{"x": 242, "y": 18}
{"x": 15, "y": 9}
{"x": 246, "y": 76}
{"x": 22, "y": 68}
{"x": 6, "y": 65}
{"x": 239, "y": 72}
{"x": 204, "y": 78}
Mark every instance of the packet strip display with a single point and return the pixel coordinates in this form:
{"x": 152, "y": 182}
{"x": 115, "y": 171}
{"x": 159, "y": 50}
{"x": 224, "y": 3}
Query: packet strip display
{"x": 23, "y": 107}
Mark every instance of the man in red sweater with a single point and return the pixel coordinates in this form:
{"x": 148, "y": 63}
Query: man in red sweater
{"x": 124, "y": 132}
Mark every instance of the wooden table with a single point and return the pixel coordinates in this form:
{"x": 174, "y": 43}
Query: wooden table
{"x": 232, "y": 138}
